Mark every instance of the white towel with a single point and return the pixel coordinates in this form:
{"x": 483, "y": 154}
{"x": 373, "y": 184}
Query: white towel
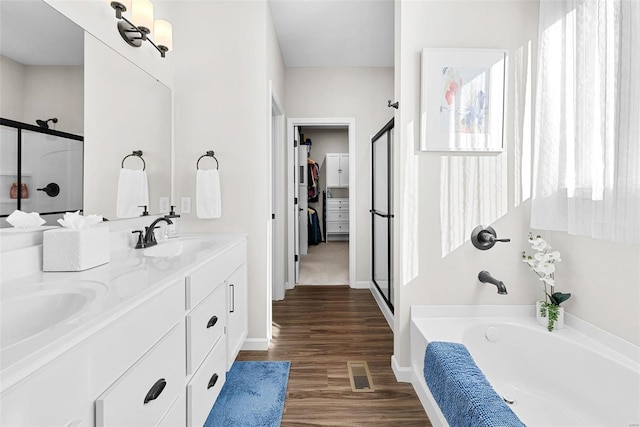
{"x": 208, "y": 201}
{"x": 133, "y": 192}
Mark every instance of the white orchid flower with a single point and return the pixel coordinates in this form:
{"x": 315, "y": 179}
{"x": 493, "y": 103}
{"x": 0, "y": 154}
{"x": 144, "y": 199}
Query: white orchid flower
{"x": 530, "y": 262}
{"x": 548, "y": 280}
{"x": 538, "y": 243}
{"x": 545, "y": 268}
{"x": 554, "y": 256}
{"x": 540, "y": 256}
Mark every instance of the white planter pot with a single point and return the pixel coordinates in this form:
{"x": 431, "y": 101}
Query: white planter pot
{"x": 542, "y": 320}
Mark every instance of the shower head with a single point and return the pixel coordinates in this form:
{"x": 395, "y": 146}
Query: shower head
{"x": 45, "y": 123}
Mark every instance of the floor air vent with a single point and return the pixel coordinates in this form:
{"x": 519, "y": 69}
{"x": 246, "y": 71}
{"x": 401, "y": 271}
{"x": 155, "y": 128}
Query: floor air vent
{"x": 360, "y": 377}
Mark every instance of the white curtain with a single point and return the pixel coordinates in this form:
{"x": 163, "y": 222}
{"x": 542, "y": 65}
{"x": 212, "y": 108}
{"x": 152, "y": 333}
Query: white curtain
{"x": 587, "y": 131}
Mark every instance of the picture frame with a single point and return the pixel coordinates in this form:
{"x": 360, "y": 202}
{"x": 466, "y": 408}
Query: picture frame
{"x": 462, "y": 99}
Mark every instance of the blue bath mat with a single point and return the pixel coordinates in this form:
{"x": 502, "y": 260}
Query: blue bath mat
{"x": 253, "y": 395}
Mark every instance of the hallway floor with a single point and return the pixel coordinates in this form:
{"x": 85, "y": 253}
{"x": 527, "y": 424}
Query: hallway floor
{"x": 325, "y": 264}
{"x": 319, "y": 329}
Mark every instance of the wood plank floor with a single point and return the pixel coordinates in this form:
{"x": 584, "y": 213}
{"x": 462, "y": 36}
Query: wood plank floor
{"x": 319, "y": 329}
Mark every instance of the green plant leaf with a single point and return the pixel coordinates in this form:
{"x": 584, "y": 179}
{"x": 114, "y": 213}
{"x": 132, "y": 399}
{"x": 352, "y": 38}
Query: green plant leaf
{"x": 559, "y": 297}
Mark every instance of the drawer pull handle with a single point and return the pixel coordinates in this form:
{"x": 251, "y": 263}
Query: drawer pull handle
{"x": 212, "y": 381}
{"x": 212, "y": 322}
{"x": 155, "y": 390}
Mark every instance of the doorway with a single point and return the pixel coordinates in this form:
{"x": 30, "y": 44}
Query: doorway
{"x": 298, "y": 209}
{"x": 323, "y": 154}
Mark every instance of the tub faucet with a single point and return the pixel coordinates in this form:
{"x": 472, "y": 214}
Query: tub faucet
{"x": 486, "y": 277}
{"x": 150, "y": 238}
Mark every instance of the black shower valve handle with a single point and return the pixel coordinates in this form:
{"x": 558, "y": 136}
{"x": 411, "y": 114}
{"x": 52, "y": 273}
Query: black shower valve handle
{"x": 484, "y": 238}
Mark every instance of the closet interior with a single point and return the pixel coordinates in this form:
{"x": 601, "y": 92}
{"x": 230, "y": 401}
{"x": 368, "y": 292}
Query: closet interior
{"x": 324, "y": 196}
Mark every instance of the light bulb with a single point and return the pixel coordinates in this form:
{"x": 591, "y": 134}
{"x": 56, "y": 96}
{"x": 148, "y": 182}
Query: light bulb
{"x": 142, "y": 15}
{"x": 163, "y": 35}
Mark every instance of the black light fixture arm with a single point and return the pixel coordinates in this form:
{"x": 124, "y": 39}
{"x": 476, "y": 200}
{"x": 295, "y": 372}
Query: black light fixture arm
{"x": 131, "y": 33}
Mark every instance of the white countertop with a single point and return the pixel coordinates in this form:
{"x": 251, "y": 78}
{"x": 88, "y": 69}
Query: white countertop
{"x": 128, "y": 280}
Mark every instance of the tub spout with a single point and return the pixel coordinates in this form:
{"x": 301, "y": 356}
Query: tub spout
{"x": 486, "y": 277}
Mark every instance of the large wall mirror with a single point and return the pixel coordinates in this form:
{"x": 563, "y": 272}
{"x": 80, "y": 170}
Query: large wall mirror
{"x": 50, "y": 68}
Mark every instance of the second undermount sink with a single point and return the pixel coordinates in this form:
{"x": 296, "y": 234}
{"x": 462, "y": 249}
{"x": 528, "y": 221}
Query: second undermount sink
{"x": 176, "y": 248}
{"x": 36, "y": 308}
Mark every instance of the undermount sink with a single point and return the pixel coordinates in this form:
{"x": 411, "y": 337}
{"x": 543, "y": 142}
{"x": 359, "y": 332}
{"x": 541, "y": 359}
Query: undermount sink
{"x": 33, "y": 309}
{"x": 176, "y": 248}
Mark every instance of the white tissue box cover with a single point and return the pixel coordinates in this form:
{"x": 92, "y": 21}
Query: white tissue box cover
{"x": 68, "y": 249}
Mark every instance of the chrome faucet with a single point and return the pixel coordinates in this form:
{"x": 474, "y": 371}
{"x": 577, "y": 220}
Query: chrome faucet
{"x": 149, "y": 237}
{"x": 486, "y": 277}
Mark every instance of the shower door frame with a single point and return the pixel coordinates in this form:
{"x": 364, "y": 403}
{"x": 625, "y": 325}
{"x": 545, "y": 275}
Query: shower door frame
{"x": 20, "y": 126}
{"x": 386, "y": 129}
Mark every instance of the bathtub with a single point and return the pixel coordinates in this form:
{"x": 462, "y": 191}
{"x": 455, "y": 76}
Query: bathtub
{"x": 576, "y": 376}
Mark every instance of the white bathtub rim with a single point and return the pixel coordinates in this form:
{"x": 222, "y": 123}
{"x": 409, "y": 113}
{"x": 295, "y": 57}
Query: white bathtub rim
{"x": 579, "y": 332}
{"x": 616, "y": 346}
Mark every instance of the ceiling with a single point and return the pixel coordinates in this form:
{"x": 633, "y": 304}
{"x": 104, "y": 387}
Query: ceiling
{"x": 335, "y": 33}
{"x": 34, "y": 33}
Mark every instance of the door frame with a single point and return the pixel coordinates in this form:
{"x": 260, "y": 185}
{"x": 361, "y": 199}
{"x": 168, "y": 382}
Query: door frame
{"x": 350, "y": 124}
{"x": 277, "y": 238}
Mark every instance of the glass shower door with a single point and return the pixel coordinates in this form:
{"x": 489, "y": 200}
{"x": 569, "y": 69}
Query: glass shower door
{"x": 381, "y": 213}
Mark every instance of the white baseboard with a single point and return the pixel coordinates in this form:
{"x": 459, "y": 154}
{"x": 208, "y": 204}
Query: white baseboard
{"x": 403, "y": 374}
{"x": 359, "y": 285}
{"x": 256, "y": 344}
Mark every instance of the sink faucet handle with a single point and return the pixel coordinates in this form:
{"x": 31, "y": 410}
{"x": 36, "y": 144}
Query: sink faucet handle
{"x": 140, "y": 243}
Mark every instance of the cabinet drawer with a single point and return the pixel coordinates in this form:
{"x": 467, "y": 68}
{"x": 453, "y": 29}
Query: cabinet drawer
{"x": 204, "y": 280}
{"x": 337, "y": 227}
{"x": 331, "y": 203}
{"x": 339, "y": 216}
{"x": 203, "y": 389}
{"x": 205, "y": 325}
{"x": 176, "y": 416}
{"x": 138, "y": 397}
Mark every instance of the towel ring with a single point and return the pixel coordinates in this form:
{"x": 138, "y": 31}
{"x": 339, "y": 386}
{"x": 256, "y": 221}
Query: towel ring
{"x": 208, "y": 154}
{"x": 137, "y": 153}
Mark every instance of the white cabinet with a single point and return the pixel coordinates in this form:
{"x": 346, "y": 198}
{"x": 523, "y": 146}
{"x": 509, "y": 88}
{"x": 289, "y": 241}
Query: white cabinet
{"x": 337, "y": 219}
{"x": 237, "y": 312}
{"x": 216, "y": 323}
{"x": 337, "y": 169}
{"x": 143, "y": 394}
{"x": 171, "y": 348}
{"x": 205, "y": 385}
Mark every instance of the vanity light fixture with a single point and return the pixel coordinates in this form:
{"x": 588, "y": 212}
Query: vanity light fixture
{"x": 142, "y": 27}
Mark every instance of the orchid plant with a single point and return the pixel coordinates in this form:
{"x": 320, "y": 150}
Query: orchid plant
{"x": 542, "y": 263}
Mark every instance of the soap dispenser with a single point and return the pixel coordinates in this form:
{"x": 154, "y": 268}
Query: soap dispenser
{"x": 172, "y": 229}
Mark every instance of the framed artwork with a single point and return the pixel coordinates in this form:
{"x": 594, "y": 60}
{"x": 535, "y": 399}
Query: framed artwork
{"x": 462, "y": 100}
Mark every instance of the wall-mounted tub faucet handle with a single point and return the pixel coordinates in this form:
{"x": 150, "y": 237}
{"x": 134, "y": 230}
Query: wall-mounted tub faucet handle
{"x": 484, "y": 238}
{"x": 486, "y": 277}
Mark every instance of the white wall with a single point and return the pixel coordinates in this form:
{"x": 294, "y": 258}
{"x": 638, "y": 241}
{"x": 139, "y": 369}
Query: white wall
{"x": 347, "y": 92}
{"x": 131, "y": 112}
{"x": 222, "y": 104}
{"x": 603, "y": 277}
{"x": 31, "y": 92}
{"x": 604, "y": 280}
{"x": 55, "y": 91}
{"x": 422, "y": 274}
{"x": 11, "y": 89}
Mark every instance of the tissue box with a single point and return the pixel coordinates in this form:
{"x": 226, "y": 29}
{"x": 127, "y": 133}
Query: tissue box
{"x": 69, "y": 249}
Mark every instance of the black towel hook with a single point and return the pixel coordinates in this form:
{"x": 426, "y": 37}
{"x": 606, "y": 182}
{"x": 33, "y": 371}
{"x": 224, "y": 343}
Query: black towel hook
{"x": 209, "y": 153}
{"x": 136, "y": 153}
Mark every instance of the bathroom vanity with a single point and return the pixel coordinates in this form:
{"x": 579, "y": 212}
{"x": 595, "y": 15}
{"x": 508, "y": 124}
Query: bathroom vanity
{"x": 145, "y": 340}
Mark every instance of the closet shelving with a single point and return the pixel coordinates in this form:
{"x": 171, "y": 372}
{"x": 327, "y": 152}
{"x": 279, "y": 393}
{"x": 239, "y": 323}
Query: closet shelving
{"x": 337, "y": 208}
